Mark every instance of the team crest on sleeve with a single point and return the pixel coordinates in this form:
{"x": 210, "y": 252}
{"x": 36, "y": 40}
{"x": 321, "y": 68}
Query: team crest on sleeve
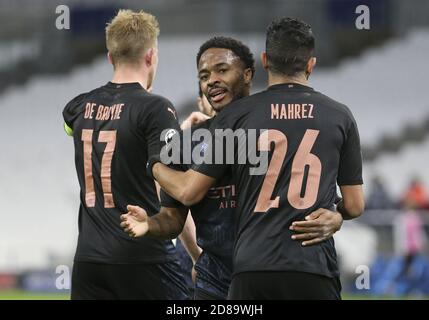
{"x": 203, "y": 149}
{"x": 169, "y": 135}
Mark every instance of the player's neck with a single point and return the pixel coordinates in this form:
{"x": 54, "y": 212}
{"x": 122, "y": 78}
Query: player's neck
{"x": 274, "y": 79}
{"x": 125, "y": 74}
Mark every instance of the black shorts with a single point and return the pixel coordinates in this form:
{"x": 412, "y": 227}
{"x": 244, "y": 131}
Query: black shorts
{"x": 99, "y": 281}
{"x": 279, "y": 285}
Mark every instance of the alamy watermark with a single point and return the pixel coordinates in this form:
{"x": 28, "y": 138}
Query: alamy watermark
{"x": 362, "y": 22}
{"x": 362, "y": 281}
{"x": 62, "y": 22}
{"x": 222, "y": 146}
{"x": 62, "y": 281}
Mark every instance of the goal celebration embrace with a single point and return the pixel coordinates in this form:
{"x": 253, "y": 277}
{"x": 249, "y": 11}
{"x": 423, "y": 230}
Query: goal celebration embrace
{"x": 239, "y": 201}
{"x": 214, "y": 158}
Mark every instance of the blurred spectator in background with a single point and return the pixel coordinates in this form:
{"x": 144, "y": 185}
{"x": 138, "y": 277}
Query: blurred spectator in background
{"x": 409, "y": 234}
{"x": 416, "y": 196}
{"x": 411, "y": 272}
{"x": 379, "y": 198}
{"x": 407, "y": 273}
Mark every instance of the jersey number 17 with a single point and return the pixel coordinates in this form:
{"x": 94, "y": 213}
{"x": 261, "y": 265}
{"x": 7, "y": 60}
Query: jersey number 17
{"x": 108, "y": 137}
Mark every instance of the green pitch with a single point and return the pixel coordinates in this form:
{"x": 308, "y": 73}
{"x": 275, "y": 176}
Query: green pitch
{"x": 23, "y": 295}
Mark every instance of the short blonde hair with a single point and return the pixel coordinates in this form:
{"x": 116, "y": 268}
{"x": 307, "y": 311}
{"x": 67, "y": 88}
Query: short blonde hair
{"x": 129, "y": 34}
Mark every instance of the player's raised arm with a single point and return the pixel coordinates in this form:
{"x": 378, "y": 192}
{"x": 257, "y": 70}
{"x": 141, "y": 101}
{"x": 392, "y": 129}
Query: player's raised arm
{"x": 167, "y": 224}
{"x": 194, "y": 118}
{"x": 187, "y": 187}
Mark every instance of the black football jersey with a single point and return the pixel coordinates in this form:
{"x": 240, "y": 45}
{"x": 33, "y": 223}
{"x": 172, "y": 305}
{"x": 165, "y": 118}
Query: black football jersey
{"x": 214, "y": 220}
{"x": 312, "y": 143}
{"x": 115, "y": 128}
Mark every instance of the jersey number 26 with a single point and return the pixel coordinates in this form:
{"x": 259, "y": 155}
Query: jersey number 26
{"x": 304, "y": 164}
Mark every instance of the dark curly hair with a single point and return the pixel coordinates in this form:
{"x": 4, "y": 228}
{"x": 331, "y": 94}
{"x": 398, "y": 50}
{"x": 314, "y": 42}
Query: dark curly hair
{"x": 240, "y": 50}
{"x": 289, "y": 45}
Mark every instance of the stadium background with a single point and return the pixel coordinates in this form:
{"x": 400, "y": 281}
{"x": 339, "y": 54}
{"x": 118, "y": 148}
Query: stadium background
{"x": 379, "y": 73}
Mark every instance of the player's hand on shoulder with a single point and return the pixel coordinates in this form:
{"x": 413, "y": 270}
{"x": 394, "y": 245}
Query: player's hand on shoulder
{"x": 135, "y": 221}
{"x": 318, "y": 226}
{"x": 193, "y": 119}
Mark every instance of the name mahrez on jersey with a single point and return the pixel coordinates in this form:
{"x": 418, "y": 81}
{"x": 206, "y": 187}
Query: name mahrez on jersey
{"x": 291, "y": 111}
{"x": 112, "y": 112}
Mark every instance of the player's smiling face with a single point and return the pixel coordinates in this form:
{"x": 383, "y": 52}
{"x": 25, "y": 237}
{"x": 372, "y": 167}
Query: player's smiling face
{"x": 221, "y": 75}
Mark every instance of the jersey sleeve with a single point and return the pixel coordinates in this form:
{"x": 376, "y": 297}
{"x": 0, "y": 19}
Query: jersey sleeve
{"x": 166, "y": 199}
{"x": 350, "y": 170}
{"x": 71, "y": 112}
{"x": 169, "y": 202}
{"x": 211, "y": 166}
{"x": 159, "y": 125}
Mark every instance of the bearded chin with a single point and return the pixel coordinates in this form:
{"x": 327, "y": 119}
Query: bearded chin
{"x": 238, "y": 95}
{"x": 217, "y": 109}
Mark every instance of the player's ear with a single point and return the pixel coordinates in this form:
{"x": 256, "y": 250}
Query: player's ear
{"x": 248, "y": 75}
{"x": 149, "y": 57}
{"x": 110, "y": 58}
{"x": 310, "y": 65}
{"x": 264, "y": 60}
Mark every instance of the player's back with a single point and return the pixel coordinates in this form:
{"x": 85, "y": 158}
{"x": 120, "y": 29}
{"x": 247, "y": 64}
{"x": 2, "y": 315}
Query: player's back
{"x": 114, "y": 129}
{"x": 314, "y": 144}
